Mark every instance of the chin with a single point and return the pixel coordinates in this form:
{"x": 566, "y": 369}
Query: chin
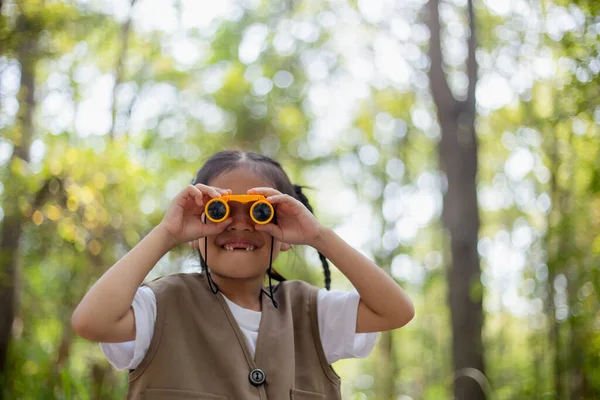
{"x": 237, "y": 274}
{"x": 238, "y": 267}
{"x": 238, "y": 264}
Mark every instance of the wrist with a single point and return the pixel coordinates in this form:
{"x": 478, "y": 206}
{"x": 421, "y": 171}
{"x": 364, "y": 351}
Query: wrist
{"x": 321, "y": 239}
{"x": 164, "y": 237}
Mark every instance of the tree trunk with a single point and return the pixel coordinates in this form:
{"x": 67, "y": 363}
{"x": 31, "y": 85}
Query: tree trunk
{"x": 458, "y": 160}
{"x": 13, "y": 221}
{"x": 388, "y": 369}
{"x": 120, "y": 68}
{"x": 392, "y": 367}
{"x": 557, "y": 238}
{"x": 386, "y": 389}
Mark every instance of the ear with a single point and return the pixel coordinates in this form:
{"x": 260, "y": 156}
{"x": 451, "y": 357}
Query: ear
{"x": 284, "y": 246}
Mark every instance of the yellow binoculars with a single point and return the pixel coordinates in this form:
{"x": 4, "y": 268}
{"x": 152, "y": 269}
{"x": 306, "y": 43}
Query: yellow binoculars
{"x": 261, "y": 212}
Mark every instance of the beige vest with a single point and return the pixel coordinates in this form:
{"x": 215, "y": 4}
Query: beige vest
{"x": 199, "y": 352}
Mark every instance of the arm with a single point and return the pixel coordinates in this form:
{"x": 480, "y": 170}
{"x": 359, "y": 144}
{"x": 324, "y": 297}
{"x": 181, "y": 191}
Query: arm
{"x": 383, "y": 304}
{"x": 105, "y": 313}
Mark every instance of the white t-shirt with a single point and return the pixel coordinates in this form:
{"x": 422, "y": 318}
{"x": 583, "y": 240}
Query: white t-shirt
{"x": 336, "y": 310}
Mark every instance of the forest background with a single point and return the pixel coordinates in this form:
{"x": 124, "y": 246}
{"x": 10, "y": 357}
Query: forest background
{"x": 455, "y": 142}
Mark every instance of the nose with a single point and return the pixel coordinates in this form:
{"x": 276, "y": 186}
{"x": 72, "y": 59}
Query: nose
{"x": 241, "y": 219}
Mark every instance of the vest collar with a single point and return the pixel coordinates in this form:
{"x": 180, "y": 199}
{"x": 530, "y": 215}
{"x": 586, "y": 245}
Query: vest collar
{"x": 264, "y": 329}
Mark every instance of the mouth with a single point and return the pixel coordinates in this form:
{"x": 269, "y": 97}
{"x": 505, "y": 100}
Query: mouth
{"x": 238, "y": 246}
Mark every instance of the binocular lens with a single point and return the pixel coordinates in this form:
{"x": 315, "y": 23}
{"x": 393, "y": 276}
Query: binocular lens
{"x": 261, "y": 212}
{"x": 217, "y": 210}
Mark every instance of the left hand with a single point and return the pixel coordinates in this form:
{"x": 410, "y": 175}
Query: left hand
{"x": 295, "y": 224}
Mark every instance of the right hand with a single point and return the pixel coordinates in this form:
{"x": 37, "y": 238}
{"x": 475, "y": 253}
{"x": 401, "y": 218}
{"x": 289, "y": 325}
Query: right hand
{"x": 183, "y": 220}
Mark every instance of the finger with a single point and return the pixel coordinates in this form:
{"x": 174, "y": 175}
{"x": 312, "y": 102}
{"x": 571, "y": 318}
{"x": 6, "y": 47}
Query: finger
{"x": 193, "y": 193}
{"x": 218, "y": 189}
{"x": 201, "y": 191}
{"x": 209, "y": 190}
{"x": 216, "y": 228}
{"x": 271, "y": 229}
{"x": 283, "y": 199}
{"x": 265, "y": 191}
{"x": 224, "y": 192}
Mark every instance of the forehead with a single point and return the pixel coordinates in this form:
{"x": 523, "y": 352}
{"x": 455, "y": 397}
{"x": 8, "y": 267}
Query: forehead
{"x": 239, "y": 180}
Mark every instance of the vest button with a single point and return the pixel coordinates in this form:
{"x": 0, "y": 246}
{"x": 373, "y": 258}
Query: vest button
{"x": 257, "y": 377}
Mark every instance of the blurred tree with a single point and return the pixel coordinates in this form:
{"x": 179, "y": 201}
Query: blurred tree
{"x": 32, "y": 195}
{"x": 458, "y": 160}
{"x": 27, "y": 30}
{"x": 572, "y": 151}
{"x": 338, "y": 86}
{"x": 121, "y": 62}
{"x": 90, "y": 190}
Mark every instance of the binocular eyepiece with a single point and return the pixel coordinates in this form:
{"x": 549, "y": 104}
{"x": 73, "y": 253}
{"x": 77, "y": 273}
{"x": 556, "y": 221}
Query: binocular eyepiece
{"x": 261, "y": 212}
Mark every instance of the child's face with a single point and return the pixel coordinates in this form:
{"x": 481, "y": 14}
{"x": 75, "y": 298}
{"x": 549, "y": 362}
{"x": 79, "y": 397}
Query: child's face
{"x": 240, "y": 263}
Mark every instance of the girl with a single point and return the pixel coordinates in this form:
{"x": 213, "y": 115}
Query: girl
{"x": 219, "y": 334}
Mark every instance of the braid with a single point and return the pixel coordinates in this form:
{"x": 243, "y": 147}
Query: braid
{"x": 275, "y": 275}
{"x": 304, "y": 200}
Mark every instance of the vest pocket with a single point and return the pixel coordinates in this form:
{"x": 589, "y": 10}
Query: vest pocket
{"x": 174, "y": 394}
{"x": 297, "y": 394}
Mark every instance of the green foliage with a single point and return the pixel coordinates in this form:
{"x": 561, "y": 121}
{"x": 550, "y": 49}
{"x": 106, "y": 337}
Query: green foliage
{"x": 86, "y": 198}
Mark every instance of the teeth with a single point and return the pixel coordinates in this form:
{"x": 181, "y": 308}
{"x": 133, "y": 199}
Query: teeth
{"x": 232, "y": 246}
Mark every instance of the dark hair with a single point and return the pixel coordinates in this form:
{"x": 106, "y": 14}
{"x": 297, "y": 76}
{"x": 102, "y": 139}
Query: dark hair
{"x": 266, "y": 167}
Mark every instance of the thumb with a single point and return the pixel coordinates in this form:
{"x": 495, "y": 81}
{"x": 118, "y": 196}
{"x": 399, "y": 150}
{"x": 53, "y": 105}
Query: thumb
{"x": 214, "y": 229}
{"x": 271, "y": 229}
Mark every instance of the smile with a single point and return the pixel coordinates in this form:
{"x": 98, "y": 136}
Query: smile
{"x": 239, "y": 246}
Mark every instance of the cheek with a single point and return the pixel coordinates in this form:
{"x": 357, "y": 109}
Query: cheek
{"x": 267, "y": 241}
{"x": 202, "y": 243}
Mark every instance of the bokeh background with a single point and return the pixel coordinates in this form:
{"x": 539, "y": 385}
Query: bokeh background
{"x": 455, "y": 142}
